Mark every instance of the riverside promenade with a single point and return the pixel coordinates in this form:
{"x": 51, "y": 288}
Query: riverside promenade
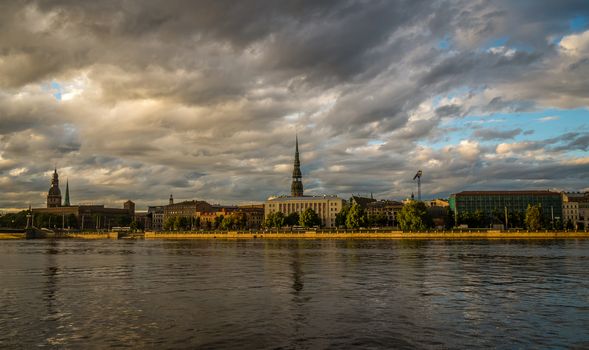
{"x": 319, "y": 234}
{"x": 370, "y": 234}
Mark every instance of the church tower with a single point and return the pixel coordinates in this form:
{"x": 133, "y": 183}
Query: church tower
{"x": 296, "y": 188}
{"x": 66, "y": 201}
{"x": 54, "y": 195}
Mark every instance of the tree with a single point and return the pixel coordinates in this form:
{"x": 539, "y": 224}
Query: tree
{"x": 515, "y": 218}
{"x": 450, "y": 219}
{"x": 378, "y": 220}
{"x": 72, "y": 221}
{"x": 240, "y": 220}
{"x": 181, "y": 223}
{"x": 414, "y": 217}
{"x": 570, "y": 225}
{"x": 309, "y": 218}
{"x": 498, "y": 217}
{"x": 227, "y": 223}
{"x": 14, "y": 220}
{"x": 472, "y": 219}
{"x": 169, "y": 223}
{"x": 340, "y": 218}
{"x": 558, "y": 224}
{"x": 275, "y": 219}
{"x": 234, "y": 221}
{"x": 533, "y": 217}
{"x": 218, "y": 221}
{"x": 356, "y": 217}
{"x": 292, "y": 219}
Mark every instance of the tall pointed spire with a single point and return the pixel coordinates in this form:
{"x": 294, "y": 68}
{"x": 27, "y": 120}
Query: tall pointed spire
{"x": 296, "y": 188}
{"x": 66, "y": 201}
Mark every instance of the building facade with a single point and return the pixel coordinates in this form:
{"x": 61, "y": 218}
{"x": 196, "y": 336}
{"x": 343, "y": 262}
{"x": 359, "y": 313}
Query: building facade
{"x": 570, "y": 210}
{"x": 493, "y": 203}
{"x": 157, "y": 217}
{"x": 187, "y": 209}
{"x": 575, "y": 208}
{"x": 245, "y": 216}
{"x": 326, "y": 207}
{"x": 254, "y": 215}
{"x": 390, "y": 209}
{"x": 207, "y": 218}
{"x": 85, "y": 217}
{"x": 361, "y": 201}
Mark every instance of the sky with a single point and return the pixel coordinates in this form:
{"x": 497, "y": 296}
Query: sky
{"x": 141, "y": 99}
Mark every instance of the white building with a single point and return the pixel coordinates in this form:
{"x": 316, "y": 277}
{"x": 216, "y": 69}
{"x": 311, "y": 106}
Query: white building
{"x": 575, "y": 207}
{"x": 326, "y": 207}
{"x": 570, "y": 212}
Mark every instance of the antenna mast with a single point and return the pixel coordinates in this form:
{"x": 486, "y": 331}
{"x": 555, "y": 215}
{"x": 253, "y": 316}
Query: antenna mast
{"x": 418, "y": 177}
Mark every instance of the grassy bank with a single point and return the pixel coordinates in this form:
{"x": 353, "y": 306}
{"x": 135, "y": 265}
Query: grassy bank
{"x": 13, "y": 235}
{"x": 79, "y": 235}
{"x": 93, "y": 235}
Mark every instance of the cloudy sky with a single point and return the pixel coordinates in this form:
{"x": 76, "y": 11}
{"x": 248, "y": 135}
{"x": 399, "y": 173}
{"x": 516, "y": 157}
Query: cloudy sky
{"x": 202, "y": 99}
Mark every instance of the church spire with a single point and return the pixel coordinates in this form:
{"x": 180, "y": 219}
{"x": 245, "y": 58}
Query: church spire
{"x": 296, "y": 188}
{"x": 54, "y": 194}
{"x": 66, "y": 201}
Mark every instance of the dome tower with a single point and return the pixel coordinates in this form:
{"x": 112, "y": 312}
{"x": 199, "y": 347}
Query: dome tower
{"x": 54, "y": 195}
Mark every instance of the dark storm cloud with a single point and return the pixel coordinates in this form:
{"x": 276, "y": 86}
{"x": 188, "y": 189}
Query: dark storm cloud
{"x": 499, "y": 104}
{"x": 449, "y": 111}
{"x": 469, "y": 67}
{"x": 571, "y": 141}
{"x": 493, "y": 134}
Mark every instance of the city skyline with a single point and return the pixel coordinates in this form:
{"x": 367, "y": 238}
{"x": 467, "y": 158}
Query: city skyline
{"x": 203, "y": 100}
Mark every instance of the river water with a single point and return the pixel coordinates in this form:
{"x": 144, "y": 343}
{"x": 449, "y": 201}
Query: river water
{"x": 306, "y": 294}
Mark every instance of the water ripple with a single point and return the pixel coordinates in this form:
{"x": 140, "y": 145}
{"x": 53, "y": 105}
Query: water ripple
{"x": 294, "y": 294}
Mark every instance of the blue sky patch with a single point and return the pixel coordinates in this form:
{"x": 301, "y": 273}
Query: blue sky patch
{"x": 578, "y": 24}
{"x": 534, "y": 126}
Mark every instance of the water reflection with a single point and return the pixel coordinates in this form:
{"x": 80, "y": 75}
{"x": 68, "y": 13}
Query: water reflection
{"x": 297, "y": 273}
{"x": 52, "y": 320}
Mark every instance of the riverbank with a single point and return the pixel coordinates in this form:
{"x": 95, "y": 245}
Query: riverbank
{"x": 93, "y": 235}
{"x": 44, "y": 235}
{"x": 232, "y": 235}
{"x": 442, "y": 235}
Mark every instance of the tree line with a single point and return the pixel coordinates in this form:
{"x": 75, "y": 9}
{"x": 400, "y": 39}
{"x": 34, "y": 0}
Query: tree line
{"x": 233, "y": 221}
{"x": 308, "y": 218}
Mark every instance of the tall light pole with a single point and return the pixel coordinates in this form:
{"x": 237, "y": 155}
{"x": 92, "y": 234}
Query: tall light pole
{"x": 418, "y": 177}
